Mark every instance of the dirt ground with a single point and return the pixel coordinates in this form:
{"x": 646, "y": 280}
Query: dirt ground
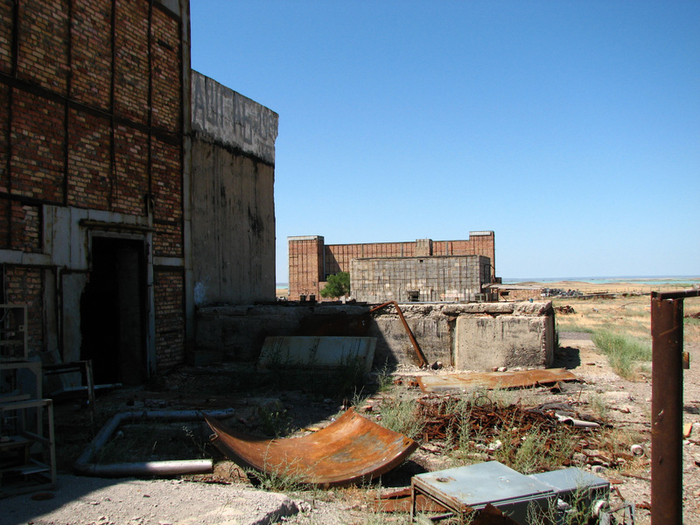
{"x": 624, "y": 405}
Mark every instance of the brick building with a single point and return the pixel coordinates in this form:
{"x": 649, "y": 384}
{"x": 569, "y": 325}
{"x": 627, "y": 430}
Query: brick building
{"x": 97, "y": 206}
{"x": 311, "y": 261}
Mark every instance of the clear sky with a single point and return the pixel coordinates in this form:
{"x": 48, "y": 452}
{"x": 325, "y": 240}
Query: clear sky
{"x": 571, "y": 128}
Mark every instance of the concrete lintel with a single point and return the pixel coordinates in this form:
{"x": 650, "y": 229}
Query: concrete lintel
{"x": 305, "y": 238}
{"x": 23, "y": 258}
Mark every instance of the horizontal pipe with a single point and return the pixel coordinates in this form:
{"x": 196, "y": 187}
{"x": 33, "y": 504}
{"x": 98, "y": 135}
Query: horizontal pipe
{"x": 148, "y": 468}
{"x": 83, "y": 465}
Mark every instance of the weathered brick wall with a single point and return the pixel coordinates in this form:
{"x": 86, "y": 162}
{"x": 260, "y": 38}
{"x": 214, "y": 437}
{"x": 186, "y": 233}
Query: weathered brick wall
{"x": 91, "y": 53}
{"x": 305, "y": 266}
{"x": 43, "y": 44}
{"x": 338, "y": 256}
{"x": 167, "y": 85}
{"x": 131, "y": 181}
{"x": 168, "y": 292}
{"x": 37, "y": 164}
{"x": 305, "y": 277}
{"x": 131, "y": 61}
{"x": 89, "y": 184}
{"x": 91, "y": 117}
{"x": 24, "y": 286}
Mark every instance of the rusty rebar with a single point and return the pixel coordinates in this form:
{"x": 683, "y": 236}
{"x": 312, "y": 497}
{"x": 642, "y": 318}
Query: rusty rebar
{"x": 422, "y": 361}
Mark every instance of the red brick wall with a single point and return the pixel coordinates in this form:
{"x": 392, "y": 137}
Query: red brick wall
{"x": 24, "y": 286}
{"x": 38, "y": 159}
{"x": 89, "y": 163}
{"x": 43, "y": 44}
{"x": 91, "y": 117}
{"x": 338, "y": 256}
{"x": 91, "y": 52}
{"x": 6, "y": 16}
{"x": 307, "y": 268}
{"x": 131, "y": 60}
{"x": 166, "y": 60}
{"x": 131, "y": 170}
{"x": 168, "y": 291}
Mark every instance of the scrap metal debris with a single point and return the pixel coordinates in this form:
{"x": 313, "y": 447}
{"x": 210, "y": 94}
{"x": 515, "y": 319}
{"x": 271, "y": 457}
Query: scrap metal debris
{"x": 494, "y": 380}
{"x": 565, "y": 309}
{"x": 351, "y": 449}
{"x": 444, "y": 418}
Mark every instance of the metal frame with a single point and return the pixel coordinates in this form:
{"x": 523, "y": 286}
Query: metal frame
{"x": 39, "y": 475}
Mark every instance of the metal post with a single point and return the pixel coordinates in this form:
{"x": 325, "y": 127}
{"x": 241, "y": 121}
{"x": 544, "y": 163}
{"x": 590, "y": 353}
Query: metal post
{"x": 667, "y": 410}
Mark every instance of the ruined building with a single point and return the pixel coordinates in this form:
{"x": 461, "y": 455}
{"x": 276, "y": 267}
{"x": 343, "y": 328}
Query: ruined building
{"x": 424, "y": 270}
{"x": 132, "y": 189}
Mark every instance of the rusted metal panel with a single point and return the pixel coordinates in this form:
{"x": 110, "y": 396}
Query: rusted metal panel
{"x": 493, "y": 380}
{"x": 352, "y": 449}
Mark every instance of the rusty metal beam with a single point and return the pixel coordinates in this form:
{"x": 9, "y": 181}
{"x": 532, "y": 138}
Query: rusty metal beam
{"x": 667, "y": 406}
{"x": 494, "y": 380}
{"x": 352, "y": 449}
{"x": 422, "y": 361}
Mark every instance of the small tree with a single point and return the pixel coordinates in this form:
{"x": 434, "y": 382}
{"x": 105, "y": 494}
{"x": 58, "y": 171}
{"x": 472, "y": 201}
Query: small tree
{"x": 338, "y": 285}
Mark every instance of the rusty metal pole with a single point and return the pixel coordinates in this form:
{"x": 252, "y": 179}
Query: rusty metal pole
{"x": 666, "y": 410}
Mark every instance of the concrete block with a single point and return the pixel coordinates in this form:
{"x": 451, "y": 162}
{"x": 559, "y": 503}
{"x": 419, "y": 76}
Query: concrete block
{"x": 484, "y": 343}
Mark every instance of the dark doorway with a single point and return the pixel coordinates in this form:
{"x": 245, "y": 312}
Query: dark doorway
{"x": 112, "y": 312}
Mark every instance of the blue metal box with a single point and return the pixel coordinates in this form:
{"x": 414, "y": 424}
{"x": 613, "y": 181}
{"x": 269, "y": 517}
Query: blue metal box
{"x": 469, "y": 488}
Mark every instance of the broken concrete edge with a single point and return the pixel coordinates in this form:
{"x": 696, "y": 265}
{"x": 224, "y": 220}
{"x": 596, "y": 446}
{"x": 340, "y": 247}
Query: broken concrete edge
{"x": 84, "y": 466}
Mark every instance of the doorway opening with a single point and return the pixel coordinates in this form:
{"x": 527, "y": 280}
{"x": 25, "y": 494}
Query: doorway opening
{"x": 112, "y": 312}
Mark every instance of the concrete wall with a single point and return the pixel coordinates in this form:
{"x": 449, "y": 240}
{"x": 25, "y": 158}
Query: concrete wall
{"x": 522, "y": 338}
{"x": 233, "y": 221}
{"x": 503, "y": 334}
{"x": 311, "y": 261}
{"x": 456, "y": 278}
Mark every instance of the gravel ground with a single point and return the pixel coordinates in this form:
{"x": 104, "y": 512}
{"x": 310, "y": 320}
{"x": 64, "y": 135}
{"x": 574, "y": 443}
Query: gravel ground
{"x": 85, "y": 500}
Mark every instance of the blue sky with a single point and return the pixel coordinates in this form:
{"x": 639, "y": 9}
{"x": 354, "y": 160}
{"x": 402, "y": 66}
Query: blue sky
{"x": 570, "y": 128}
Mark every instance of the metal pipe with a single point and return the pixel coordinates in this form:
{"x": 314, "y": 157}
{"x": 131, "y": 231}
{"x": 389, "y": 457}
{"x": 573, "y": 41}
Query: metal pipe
{"x": 667, "y": 409}
{"x": 422, "y": 361}
{"x": 84, "y": 467}
{"x": 148, "y": 468}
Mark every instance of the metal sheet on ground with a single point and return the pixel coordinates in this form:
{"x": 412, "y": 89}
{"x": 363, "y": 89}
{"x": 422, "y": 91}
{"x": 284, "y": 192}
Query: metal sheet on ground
{"x": 494, "y": 380}
{"x": 349, "y": 450}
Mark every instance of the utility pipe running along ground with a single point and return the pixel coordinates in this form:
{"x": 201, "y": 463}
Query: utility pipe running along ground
{"x": 667, "y": 406}
{"x": 84, "y": 466}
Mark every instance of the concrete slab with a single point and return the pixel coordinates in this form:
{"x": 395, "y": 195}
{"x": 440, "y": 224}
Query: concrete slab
{"x": 486, "y": 343}
{"x": 109, "y": 501}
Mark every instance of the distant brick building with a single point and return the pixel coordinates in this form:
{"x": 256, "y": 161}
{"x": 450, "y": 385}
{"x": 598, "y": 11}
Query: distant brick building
{"x": 96, "y": 183}
{"x": 311, "y": 261}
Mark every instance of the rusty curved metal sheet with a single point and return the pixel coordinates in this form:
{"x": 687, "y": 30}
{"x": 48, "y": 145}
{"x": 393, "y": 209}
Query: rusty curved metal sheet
{"x": 352, "y": 449}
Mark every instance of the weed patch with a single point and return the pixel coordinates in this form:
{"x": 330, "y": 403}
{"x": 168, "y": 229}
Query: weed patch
{"x": 624, "y": 352}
